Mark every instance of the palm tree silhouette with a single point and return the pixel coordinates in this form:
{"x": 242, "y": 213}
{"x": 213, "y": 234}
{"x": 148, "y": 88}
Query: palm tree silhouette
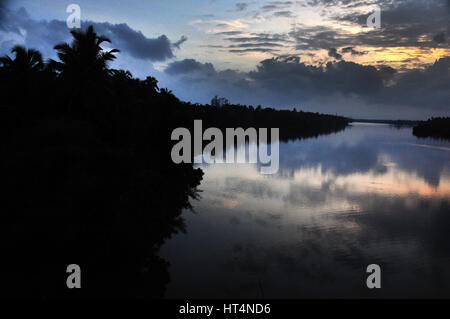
{"x": 25, "y": 61}
{"x": 85, "y": 56}
{"x": 83, "y": 65}
{"x": 22, "y": 73}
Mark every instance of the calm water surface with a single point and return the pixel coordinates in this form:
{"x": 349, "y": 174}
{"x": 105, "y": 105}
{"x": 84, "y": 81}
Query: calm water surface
{"x": 370, "y": 194}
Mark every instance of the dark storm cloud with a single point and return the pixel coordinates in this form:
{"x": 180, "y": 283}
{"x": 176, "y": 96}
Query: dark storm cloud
{"x": 414, "y": 23}
{"x": 134, "y": 42}
{"x": 332, "y": 52}
{"x": 403, "y": 23}
{"x": 429, "y": 87}
{"x": 190, "y": 66}
{"x": 286, "y": 81}
{"x": 345, "y": 77}
{"x": 43, "y": 35}
{"x": 406, "y": 23}
{"x": 287, "y": 75}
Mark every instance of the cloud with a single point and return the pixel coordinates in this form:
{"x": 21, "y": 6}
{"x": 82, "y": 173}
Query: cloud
{"x": 269, "y": 7}
{"x": 352, "y": 51}
{"x": 440, "y": 37}
{"x": 234, "y": 24}
{"x": 215, "y": 46}
{"x": 276, "y": 5}
{"x": 229, "y": 33}
{"x": 189, "y": 66}
{"x": 179, "y": 42}
{"x": 260, "y": 37}
{"x": 262, "y": 44}
{"x": 3, "y": 5}
{"x": 255, "y": 42}
{"x": 332, "y": 52}
{"x": 403, "y": 23}
{"x": 285, "y": 14}
{"x": 242, "y": 6}
{"x": 134, "y": 42}
{"x": 289, "y": 76}
{"x": 43, "y": 35}
{"x": 417, "y": 24}
{"x": 262, "y": 50}
{"x": 344, "y": 87}
{"x": 343, "y": 3}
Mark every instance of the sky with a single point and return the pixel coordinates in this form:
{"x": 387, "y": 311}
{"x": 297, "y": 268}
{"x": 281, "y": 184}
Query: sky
{"x": 314, "y": 55}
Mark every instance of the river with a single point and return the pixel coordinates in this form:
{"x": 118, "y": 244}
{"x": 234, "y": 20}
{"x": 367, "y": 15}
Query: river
{"x": 371, "y": 194}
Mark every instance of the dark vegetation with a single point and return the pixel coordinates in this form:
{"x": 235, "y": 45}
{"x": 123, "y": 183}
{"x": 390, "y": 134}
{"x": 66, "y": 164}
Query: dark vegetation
{"x": 293, "y": 124}
{"x": 87, "y": 177}
{"x": 436, "y": 127}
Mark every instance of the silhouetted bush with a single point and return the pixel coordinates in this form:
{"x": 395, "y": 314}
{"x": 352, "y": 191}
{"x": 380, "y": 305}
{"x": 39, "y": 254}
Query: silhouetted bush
{"x": 437, "y": 127}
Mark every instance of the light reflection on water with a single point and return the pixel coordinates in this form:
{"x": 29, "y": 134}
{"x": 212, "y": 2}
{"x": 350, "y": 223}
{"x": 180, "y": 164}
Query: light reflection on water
{"x": 370, "y": 194}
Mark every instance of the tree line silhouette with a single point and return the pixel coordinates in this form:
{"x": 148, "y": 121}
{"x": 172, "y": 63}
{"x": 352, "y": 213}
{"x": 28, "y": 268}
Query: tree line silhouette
{"x": 293, "y": 124}
{"x": 436, "y": 127}
{"x": 87, "y": 174}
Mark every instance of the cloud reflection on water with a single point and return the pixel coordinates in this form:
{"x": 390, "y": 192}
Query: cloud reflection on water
{"x": 370, "y": 194}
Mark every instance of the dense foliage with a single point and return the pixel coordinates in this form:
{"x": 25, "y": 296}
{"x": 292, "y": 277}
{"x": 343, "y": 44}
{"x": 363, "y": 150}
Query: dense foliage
{"x": 87, "y": 175}
{"x": 292, "y": 124}
{"x": 437, "y": 127}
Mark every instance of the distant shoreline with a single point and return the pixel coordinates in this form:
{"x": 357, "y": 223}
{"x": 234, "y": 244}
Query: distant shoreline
{"x": 410, "y": 123}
